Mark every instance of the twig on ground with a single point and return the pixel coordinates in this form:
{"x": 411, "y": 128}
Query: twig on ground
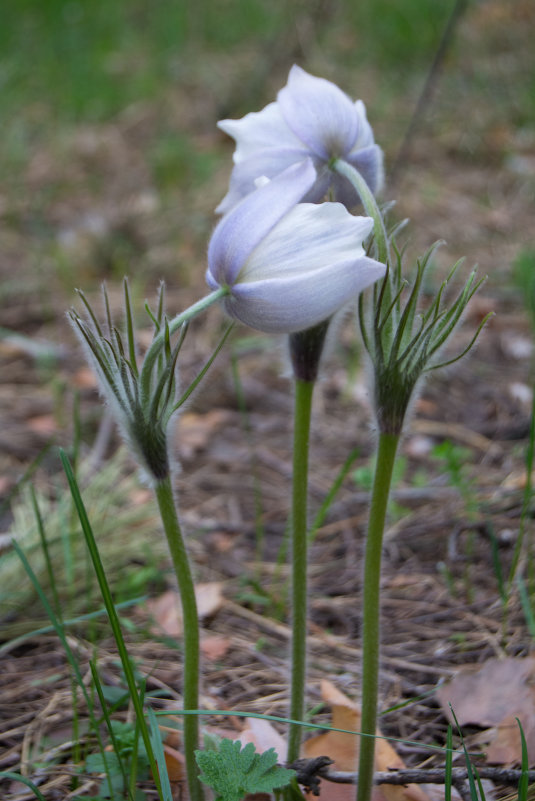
{"x": 427, "y": 776}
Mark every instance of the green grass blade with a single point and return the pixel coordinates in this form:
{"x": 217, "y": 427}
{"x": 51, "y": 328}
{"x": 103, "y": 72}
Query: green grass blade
{"x": 305, "y": 724}
{"x": 524, "y": 781}
{"x": 528, "y": 493}
{"x": 112, "y": 614}
{"x": 104, "y": 707}
{"x": 46, "y": 552}
{"x": 16, "y": 777}
{"x": 471, "y": 776}
{"x": 57, "y": 625}
{"x": 58, "y": 628}
{"x": 449, "y": 764}
{"x": 526, "y": 606}
{"x": 74, "y": 621}
{"x": 156, "y": 741}
{"x": 331, "y": 495}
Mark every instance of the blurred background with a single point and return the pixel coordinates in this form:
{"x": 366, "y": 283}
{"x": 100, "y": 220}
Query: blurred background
{"x": 111, "y": 161}
{"x": 112, "y": 164}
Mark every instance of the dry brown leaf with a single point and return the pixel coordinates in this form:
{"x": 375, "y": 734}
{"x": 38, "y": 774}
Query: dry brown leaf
{"x": 263, "y": 736}
{"x": 214, "y": 646}
{"x": 166, "y": 613}
{"x": 493, "y": 694}
{"x": 44, "y": 424}
{"x": 175, "y": 762}
{"x": 344, "y": 750}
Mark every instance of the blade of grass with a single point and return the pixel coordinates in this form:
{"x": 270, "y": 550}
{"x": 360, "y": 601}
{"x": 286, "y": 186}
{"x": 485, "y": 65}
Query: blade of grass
{"x": 526, "y": 606}
{"x": 331, "y": 495}
{"x": 46, "y": 552}
{"x": 16, "y": 777}
{"x": 14, "y": 643}
{"x": 469, "y": 769}
{"x": 528, "y": 492}
{"x": 58, "y": 628}
{"x": 112, "y": 614}
{"x": 156, "y": 741}
{"x": 306, "y": 725}
{"x": 449, "y": 764}
{"x": 524, "y": 781}
{"x": 104, "y": 707}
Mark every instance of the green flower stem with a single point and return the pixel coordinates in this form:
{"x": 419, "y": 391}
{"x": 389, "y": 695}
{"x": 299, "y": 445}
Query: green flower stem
{"x": 386, "y": 456}
{"x": 369, "y": 203}
{"x": 174, "y": 324}
{"x": 302, "y": 414}
{"x": 190, "y": 689}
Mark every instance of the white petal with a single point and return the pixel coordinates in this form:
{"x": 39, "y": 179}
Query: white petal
{"x": 296, "y": 302}
{"x": 307, "y": 239}
{"x": 241, "y": 230}
{"x": 319, "y": 114}
{"x": 259, "y": 130}
{"x": 267, "y": 163}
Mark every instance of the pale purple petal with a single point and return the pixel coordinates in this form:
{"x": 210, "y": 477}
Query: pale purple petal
{"x": 259, "y": 130}
{"x": 365, "y": 135}
{"x": 308, "y": 238}
{"x": 287, "y": 304}
{"x": 319, "y": 114}
{"x": 268, "y": 163}
{"x": 369, "y": 162}
{"x": 243, "y": 228}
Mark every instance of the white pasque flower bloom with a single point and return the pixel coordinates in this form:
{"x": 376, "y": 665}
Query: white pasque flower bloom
{"x": 311, "y": 117}
{"x": 288, "y": 267}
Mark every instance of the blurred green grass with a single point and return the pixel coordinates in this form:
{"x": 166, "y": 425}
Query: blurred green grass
{"x": 85, "y": 60}
{"x": 102, "y": 100}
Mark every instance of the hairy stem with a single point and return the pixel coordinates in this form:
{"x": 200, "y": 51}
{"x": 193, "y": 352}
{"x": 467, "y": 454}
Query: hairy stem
{"x": 370, "y": 205}
{"x": 302, "y": 414}
{"x": 386, "y": 456}
{"x": 186, "y": 588}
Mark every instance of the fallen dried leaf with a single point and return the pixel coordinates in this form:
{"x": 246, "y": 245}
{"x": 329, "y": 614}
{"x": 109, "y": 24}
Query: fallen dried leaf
{"x": 214, "y": 647}
{"x": 42, "y": 424}
{"x": 175, "y": 763}
{"x": 166, "y": 613}
{"x": 344, "y": 750}
{"x": 493, "y": 694}
{"x": 263, "y": 736}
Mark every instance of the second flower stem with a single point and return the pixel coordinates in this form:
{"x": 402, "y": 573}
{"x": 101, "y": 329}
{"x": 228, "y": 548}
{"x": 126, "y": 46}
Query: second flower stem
{"x": 302, "y": 414}
{"x": 386, "y": 456}
{"x": 186, "y": 588}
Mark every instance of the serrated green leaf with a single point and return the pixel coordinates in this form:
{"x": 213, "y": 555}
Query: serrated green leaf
{"x": 233, "y": 772}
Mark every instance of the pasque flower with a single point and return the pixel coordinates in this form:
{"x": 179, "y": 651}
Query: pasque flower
{"x": 311, "y": 117}
{"x": 289, "y": 265}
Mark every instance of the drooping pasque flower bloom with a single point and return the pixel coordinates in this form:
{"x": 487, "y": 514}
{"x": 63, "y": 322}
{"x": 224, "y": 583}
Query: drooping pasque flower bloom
{"x": 311, "y": 117}
{"x": 289, "y": 265}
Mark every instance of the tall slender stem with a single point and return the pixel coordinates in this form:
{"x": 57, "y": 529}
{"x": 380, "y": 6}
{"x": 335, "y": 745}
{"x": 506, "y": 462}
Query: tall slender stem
{"x": 302, "y": 414}
{"x": 369, "y": 203}
{"x": 190, "y": 688}
{"x": 386, "y": 456}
